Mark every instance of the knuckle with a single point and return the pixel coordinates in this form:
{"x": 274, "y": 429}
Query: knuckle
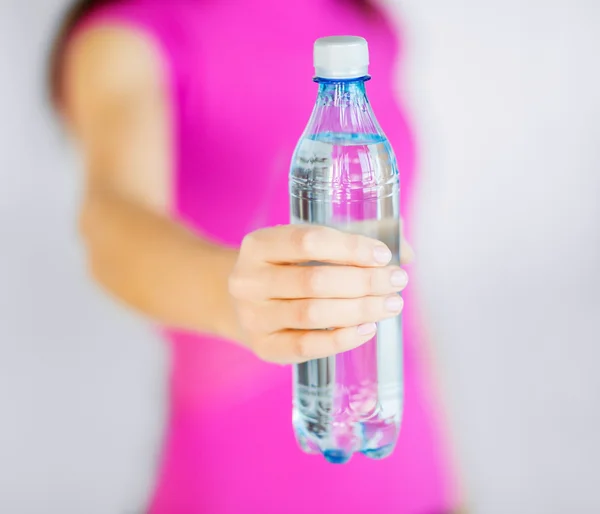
{"x": 302, "y": 239}
{"x": 357, "y": 309}
{"x": 314, "y": 280}
{"x": 249, "y": 284}
{"x": 307, "y": 239}
{"x": 242, "y": 285}
{"x": 373, "y": 308}
{"x": 367, "y": 282}
{"x": 308, "y": 314}
{"x": 236, "y": 284}
{"x": 338, "y": 340}
{"x": 302, "y": 347}
{"x": 353, "y": 243}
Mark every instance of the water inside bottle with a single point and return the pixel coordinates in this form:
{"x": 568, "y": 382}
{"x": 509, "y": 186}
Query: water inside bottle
{"x": 351, "y": 402}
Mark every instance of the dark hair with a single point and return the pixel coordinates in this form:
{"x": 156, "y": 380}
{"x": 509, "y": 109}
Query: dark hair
{"x": 74, "y": 15}
{"x": 69, "y": 21}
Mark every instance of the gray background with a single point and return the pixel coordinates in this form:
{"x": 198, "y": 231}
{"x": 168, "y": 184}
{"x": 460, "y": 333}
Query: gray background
{"x": 505, "y": 99}
{"x": 81, "y": 381}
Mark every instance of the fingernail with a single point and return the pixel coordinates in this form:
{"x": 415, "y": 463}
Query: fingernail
{"x": 394, "y": 303}
{"x": 367, "y": 329}
{"x": 399, "y": 278}
{"x": 382, "y": 254}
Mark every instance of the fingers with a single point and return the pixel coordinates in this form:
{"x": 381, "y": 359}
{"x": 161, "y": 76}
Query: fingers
{"x": 290, "y": 312}
{"x": 294, "y": 346}
{"x": 315, "y": 314}
{"x": 288, "y": 244}
{"x": 289, "y": 282}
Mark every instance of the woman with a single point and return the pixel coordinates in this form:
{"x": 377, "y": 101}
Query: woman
{"x": 188, "y": 113}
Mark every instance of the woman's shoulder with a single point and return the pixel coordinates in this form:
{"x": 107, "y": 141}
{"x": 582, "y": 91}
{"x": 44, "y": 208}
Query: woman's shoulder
{"x": 107, "y": 59}
{"x": 168, "y": 23}
{"x": 124, "y": 43}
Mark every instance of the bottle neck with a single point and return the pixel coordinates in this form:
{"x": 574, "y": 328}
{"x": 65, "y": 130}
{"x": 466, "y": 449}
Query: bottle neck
{"x": 342, "y": 92}
{"x": 342, "y": 106}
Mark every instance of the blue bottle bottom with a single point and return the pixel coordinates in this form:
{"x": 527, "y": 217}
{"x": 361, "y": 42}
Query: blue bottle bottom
{"x": 336, "y": 456}
{"x": 379, "y": 453}
{"x": 374, "y": 440}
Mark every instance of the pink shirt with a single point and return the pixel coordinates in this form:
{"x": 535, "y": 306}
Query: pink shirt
{"x": 239, "y": 75}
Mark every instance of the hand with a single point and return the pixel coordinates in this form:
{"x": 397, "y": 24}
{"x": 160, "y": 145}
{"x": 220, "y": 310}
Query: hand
{"x": 283, "y": 307}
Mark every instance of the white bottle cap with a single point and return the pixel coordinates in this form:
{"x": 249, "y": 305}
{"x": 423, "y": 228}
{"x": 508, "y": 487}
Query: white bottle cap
{"x": 341, "y": 57}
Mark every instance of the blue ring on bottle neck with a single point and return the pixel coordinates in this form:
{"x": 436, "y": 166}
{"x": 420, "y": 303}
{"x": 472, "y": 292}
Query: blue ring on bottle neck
{"x": 322, "y": 80}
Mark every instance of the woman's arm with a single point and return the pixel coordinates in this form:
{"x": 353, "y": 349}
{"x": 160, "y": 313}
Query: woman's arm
{"x": 116, "y": 106}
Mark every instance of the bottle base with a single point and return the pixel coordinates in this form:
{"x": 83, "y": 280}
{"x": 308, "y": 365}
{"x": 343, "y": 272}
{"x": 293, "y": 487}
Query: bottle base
{"x": 379, "y": 453}
{"x": 337, "y": 456}
{"x": 342, "y": 453}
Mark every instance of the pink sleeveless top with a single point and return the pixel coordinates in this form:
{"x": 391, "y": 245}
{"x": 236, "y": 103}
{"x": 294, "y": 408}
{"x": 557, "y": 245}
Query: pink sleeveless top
{"x": 238, "y": 73}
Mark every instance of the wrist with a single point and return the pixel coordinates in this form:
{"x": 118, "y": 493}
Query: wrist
{"x": 224, "y": 321}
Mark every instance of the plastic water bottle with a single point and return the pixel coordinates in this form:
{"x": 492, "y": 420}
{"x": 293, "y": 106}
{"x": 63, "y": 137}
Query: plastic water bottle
{"x": 344, "y": 174}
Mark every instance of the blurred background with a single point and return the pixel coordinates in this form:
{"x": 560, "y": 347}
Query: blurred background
{"x": 82, "y": 381}
{"x": 504, "y": 98}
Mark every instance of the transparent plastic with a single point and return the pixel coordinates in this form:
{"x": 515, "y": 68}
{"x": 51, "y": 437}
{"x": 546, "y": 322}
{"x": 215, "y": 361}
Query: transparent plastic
{"x": 344, "y": 174}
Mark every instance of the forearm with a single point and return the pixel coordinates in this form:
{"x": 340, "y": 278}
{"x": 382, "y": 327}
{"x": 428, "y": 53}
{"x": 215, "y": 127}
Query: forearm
{"x": 158, "y": 267}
